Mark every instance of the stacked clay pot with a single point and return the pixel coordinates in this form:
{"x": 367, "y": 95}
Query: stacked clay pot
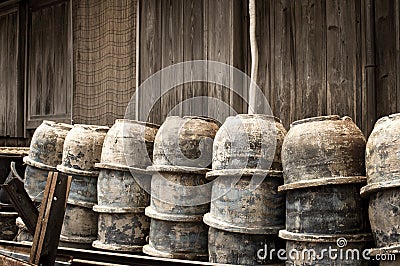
{"x": 246, "y": 209}
{"x": 127, "y": 152}
{"x": 181, "y": 157}
{"x": 81, "y": 151}
{"x": 323, "y": 164}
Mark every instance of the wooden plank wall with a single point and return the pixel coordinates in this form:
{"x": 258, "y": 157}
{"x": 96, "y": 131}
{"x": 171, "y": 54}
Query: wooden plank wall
{"x": 11, "y": 74}
{"x": 174, "y": 31}
{"x": 49, "y": 86}
{"x": 104, "y": 59}
{"x": 316, "y": 56}
{"x": 387, "y": 56}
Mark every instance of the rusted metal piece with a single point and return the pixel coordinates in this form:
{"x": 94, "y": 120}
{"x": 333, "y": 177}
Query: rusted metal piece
{"x": 249, "y": 141}
{"x": 45, "y": 154}
{"x": 241, "y": 210}
{"x": 323, "y": 147}
{"x": 317, "y": 249}
{"x": 331, "y": 209}
{"x": 127, "y": 149}
{"x": 241, "y": 249}
{"x": 186, "y": 141}
{"x": 177, "y": 240}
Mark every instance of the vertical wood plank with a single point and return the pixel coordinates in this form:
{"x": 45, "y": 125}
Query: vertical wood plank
{"x": 386, "y": 90}
{"x": 343, "y": 58}
{"x": 310, "y": 50}
{"x": 172, "y": 53}
{"x": 150, "y": 59}
{"x": 283, "y": 92}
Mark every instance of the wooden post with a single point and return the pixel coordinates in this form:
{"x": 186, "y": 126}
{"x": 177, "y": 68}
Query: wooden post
{"x": 51, "y": 216}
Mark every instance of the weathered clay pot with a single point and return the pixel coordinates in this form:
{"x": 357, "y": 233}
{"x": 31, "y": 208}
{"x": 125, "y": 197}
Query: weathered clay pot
{"x": 47, "y": 143}
{"x": 122, "y": 224}
{"x": 80, "y": 225}
{"x": 82, "y": 149}
{"x": 185, "y": 141}
{"x": 45, "y": 153}
{"x": 23, "y": 233}
{"x": 127, "y": 151}
{"x": 8, "y": 228}
{"x": 241, "y": 210}
{"x": 249, "y": 141}
{"x": 176, "y": 212}
{"x": 331, "y": 209}
{"x": 382, "y": 159}
{"x": 323, "y": 148}
{"x": 241, "y": 249}
{"x": 306, "y": 245}
{"x": 383, "y": 176}
{"x": 128, "y": 142}
{"x": 176, "y": 239}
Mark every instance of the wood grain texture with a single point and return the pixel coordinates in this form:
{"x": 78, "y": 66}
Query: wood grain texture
{"x": 11, "y": 74}
{"x": 49, "y": 86}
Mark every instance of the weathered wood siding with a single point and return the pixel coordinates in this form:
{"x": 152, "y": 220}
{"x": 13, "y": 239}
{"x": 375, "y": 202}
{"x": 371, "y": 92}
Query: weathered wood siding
{"x": 104, "y": 59}
{"x": 316, "y": 57}
{"x": 11, "y": 72}
{"x": 174, "y": 31}
{"x": 49, "y": 86}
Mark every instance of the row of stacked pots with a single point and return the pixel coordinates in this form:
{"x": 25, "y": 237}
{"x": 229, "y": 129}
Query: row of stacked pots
{"x": 319, "y": 165}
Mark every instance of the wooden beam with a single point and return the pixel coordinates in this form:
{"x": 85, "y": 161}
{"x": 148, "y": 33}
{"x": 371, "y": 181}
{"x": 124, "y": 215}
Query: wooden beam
{"x": 51, "y": 216}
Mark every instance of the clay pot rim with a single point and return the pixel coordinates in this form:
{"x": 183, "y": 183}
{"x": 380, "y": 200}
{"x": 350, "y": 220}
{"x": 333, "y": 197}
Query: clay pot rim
{"x": 378, "y": 186}
{"x": 322, "y": 238}
{"x": 149, "y": 250}
{"x": 148, "y": 124}
{"x": 111, "y": 210}
{"x": 243, "y": 172}
{"x": 214, "y": 222}
{"x": 95, "y": 128}
{"x": 116, "y": 247}
{"x": 119, "y": 167}
{"x": 189, "y": 117}
{"x": 261, "y": 116}
{"x": 39, "y": 165}
{"x": 77, "y": 239}
{"x": 334, "y": 180}
{"x": 316, "y": 119}
{"x": 154, "y": 214}
{"x": 73, "y": 171}
{"x": 176, "y": 169}
{"x": 393, "y": 249}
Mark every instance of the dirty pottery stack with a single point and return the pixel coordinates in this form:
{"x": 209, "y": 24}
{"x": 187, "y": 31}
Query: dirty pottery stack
{"x": 323, "y": 164}
{"x": 179, "y": 194}
{"x": 382, "y": 162}
{"x": 82, "y": 149}
{"x": 127, "y": 152}
{"x": 45, "y": 154}
{"x": 246, "y": 209}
